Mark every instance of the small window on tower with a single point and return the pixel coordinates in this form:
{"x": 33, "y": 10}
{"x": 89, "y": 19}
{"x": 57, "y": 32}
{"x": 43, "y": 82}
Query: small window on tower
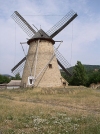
{"x": 64, "y": 83}
{"x": 30, "y": 81}
{"x": 50, "y": 65}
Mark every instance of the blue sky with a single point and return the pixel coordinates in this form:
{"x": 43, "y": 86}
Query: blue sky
{"x": 81, "y": 38}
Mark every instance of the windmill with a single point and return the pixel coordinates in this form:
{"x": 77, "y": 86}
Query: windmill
{"x": 40, "y": 64}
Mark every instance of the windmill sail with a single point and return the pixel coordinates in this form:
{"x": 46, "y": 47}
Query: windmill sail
{"x": 23, "y": 24}
{"x": 62, "y": 24}
{"x": 63, "y": 63}
{"x": 64, "y": 69}
{"x": 19, "y": 67}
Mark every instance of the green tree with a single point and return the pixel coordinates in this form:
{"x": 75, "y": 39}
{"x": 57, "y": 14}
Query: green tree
{"x": 79, "y": 75}
{"x": 17, "y": 76}
{"x": 4, "y": 79}
{"x": 94, "y": 77}
{"x": 1, "y": 79}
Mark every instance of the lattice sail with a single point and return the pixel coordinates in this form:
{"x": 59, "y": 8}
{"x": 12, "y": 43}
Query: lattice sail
{"x": 19, "y": 66}
{"x": 63, "y": 63}
{"x": 62, "y": 24}
{"x": 23, "y": 24}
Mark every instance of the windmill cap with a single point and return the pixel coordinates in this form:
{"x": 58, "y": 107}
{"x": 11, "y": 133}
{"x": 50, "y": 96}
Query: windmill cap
{"x": 42, "y": 36}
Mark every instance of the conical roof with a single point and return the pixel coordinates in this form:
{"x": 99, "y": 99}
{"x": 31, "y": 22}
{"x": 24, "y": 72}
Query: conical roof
{"x": 40, "y": 35}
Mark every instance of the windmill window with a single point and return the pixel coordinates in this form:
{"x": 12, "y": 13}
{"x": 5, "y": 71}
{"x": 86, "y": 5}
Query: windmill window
{"x": 50, "y": 65}
{"x": 64, "y": 83}
{"x": 30, "y": 81}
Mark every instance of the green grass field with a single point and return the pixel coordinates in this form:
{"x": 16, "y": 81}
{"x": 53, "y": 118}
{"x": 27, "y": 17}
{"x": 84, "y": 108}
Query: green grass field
{"x": 72, "y": 110}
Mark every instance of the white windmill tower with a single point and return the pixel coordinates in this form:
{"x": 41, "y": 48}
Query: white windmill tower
{"x": 41, "y": 62}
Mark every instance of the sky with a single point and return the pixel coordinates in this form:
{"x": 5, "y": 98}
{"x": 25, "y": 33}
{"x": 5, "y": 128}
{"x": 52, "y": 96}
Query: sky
{"x": 81, "y": 38}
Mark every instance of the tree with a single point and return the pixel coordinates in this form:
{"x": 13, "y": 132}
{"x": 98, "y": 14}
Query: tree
{"x": 79, "y": 75}
{"x": 1, "y": 79}
{"x": 4, "y": 79}
{"x": 17, "y": 76}
{"x": 94, "y": 77}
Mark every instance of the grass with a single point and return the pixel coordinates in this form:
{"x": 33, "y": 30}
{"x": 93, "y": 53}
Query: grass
{"x": 72, "y": 110}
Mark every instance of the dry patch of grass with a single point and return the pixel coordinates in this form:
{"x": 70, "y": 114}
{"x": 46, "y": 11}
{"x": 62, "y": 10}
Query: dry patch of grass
{"x": 50, "y": 111}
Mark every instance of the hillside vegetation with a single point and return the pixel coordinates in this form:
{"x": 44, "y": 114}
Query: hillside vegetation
{"x": 83, "y": 74}
{"x": 72, "y": 110}
{"x": 87, "y": 68}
